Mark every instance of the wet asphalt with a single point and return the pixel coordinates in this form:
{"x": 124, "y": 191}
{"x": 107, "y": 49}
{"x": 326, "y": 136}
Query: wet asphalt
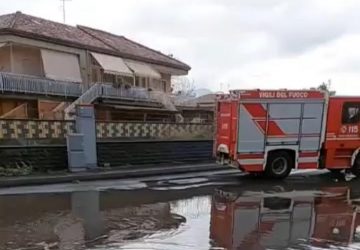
{"x": 209, "y": 210}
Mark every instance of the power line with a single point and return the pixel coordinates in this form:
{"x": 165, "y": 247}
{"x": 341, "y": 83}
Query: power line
{"x": 64, "y": 9}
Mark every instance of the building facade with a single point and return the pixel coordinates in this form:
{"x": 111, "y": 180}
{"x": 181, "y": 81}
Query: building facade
{"x": 46, "y": 68}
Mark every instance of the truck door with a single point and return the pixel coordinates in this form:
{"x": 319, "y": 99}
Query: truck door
{"x": 311, "y": 126}
{"x": 350, "y": 119}
{"x": 251, "y": 129}
{"x": 296, "y": 124}
{"x": 268, "y": 124}
{"x": 342, "y": 132}
{"x": 283, "y": 124}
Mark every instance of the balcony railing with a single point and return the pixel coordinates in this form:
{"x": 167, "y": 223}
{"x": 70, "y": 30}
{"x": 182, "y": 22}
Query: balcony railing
{"x": 24, "y": 84}
{"x": 104, "y": 90}
{"x": 108, "y": 91}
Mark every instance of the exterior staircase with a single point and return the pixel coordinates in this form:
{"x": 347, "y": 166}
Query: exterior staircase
{"x": 58, "y": 111}
{"x": 60, "y": 107}
{"x": 87, "y": 97}
{"x": 98, "y": 90}
{"x": 167, "y": 103}
{"x": 164, "y": 99}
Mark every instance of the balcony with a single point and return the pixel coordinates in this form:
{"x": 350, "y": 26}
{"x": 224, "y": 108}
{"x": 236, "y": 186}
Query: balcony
{"x": 76, "y": 93}
{"x": 29, "y": 85}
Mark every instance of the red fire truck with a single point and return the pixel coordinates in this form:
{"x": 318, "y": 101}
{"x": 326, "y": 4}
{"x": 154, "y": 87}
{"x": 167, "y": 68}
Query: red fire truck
{"x": 275, "y": 131}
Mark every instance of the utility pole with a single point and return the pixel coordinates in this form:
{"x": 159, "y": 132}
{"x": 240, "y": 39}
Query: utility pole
{"x": 64, "y": 9}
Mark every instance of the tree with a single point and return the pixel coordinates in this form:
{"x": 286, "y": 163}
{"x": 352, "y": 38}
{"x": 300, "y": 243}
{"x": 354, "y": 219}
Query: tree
{"x": 183, "y": 86}
{"x": 326, "y": 87}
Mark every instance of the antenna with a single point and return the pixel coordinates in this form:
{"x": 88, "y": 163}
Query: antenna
{"x": 64, "y": 9}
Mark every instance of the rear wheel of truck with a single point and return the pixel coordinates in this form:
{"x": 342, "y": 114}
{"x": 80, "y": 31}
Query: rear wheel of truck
{"x": 355, "y": 169}
{"x": 279, "y": 165}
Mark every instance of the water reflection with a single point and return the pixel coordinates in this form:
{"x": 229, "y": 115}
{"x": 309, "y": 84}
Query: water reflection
{"x": 266, "y": 216}
{"x": 284, "y": 219}
{"x": 79, "y": 220}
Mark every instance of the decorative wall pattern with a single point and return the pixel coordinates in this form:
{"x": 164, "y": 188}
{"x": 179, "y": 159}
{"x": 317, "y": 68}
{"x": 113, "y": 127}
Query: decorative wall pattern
{"x": 30, "y": 129}
{"x": 152, "y": 130}
{"x": 39, "y": 129}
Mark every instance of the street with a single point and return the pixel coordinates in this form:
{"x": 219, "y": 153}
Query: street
{"x": 204, "y": 210}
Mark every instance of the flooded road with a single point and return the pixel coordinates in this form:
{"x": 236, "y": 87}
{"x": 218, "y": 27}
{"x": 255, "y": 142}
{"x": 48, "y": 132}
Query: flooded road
{"x": 295, "y": 214}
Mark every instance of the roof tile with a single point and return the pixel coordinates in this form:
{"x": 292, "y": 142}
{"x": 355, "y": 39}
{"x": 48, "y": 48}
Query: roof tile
{"x": 6, "y": 20}
{"x": 39, "y": 26}
{"x": 86, "y": 37}
{"x": 127, "y": 46}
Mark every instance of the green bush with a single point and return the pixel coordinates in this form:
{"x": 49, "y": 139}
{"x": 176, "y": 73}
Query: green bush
{"x": 16, "y": 168}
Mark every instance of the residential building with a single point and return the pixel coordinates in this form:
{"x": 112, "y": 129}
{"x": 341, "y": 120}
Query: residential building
{"x": 46, "y": 68}
{"x": 197, "y": 110}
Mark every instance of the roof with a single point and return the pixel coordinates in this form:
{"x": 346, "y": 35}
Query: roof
{"x": 6, "y": 20}
{"x": 127, "y": 46}
{"x": 205, "y": 100}
{"x": 83, "y": 37}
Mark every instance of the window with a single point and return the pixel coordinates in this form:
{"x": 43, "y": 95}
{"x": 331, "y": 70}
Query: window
{"x": 96, "y": 71}
{"x": 127, "y": 80}
{"x": 109, "y": 78}
{"x": 96, "y": 74}
{"x": 137, "y": 81}
{"x": 351, "y": 113}
{"x": 163, "y": 83}
{"x": 158, "y": 84}
{"x": 69, "y": 69}
{"x": 154, "y": 84}
{"x": 141, "y": 82}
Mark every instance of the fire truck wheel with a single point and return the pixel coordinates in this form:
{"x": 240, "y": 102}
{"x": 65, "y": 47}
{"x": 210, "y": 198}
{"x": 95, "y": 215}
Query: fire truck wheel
{"x": 279, "y": 165}
{"x": 356, "y": 168}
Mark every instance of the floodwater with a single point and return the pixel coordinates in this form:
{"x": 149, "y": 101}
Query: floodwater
{"x": 251, "y": 215}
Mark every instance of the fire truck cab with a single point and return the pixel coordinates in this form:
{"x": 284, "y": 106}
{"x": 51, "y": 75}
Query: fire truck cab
{"x": 275, "y": 131}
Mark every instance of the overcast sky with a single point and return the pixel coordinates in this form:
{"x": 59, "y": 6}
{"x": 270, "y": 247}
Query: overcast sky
{"x": 232, "y": 43}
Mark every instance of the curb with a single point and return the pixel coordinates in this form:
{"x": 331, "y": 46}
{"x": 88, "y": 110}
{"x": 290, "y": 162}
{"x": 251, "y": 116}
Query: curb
{"x": 107, "y": 175}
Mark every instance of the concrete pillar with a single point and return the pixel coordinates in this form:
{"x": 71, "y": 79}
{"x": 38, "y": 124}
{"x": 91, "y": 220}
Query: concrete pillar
{"x": 85, "y": 125}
